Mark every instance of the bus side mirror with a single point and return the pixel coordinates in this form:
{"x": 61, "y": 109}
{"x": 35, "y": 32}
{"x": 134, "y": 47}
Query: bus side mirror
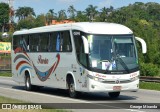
{"x": 86, "y": 46}
{"x": 143, "y": 44}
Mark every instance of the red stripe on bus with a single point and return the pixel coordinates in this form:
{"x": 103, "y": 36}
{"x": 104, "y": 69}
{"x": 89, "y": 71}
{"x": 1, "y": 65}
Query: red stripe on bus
{"x": 20, "y": 63}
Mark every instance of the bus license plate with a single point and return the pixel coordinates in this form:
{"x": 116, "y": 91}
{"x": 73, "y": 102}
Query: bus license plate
{"x": 117, "y": 87}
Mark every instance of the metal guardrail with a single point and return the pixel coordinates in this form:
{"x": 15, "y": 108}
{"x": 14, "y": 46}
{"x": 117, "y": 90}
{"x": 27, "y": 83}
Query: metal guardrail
{"x": 149, "y": 79}
{"x": 6, "y": 70}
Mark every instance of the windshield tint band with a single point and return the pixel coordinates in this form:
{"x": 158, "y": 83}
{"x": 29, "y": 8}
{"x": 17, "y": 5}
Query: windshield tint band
{"x": 114, "y": 72}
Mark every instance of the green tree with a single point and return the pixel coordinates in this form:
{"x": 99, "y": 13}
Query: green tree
{"x": 71, "y": 10}
{"x": 91, "y": 12}
{"x": 26, "y": 23}
{"x": 24, "y": 12}
{"x": 50, "y": 16}
{"x": 153, "y": 9}
{"x": 40, "y": 20}
{"x": 81, "y": 17}
{"x": 103, "y": 14}
{"x": 53, "y": 14}
{"x": 62, "y": 15}
{"x": 4, "y": 16}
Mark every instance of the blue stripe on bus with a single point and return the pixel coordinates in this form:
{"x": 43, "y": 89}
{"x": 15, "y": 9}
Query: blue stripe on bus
{"x": 23, "y": 68}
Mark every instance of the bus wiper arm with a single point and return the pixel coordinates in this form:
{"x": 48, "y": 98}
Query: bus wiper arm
{"x": 122, "y": 63}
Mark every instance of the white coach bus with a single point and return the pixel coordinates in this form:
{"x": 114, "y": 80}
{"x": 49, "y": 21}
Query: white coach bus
{"x": 78, "y": 57}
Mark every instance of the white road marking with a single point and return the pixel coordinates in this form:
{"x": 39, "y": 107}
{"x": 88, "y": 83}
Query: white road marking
{"x": 135, "y": 110}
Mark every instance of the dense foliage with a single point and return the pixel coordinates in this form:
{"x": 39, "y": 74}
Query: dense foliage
{"x": 142, "y": 18}
{"x": 4, "y": 16}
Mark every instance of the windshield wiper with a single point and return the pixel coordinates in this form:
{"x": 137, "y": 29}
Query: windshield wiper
{"x": 119, "y": 59}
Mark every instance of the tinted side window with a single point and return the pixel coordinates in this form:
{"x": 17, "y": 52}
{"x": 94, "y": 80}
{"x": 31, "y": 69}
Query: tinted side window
{"x": 52, "y": 42}
{"x": 21, "y": 42}
{"x": 25, "y": 42}
{"x": 66, "y": 45}
{"x": 16, "y": 41}
{"x": 43, "y": 42}
{"x": 34, "y": 41}
{"x": 81, "y": 56}
{"x": 60, "y": 41}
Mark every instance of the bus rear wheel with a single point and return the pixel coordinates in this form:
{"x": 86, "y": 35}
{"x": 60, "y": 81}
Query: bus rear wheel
{"x": 114, "y": 94}
{"x": 28, "y": 85}
{"x": 71, "y": 88}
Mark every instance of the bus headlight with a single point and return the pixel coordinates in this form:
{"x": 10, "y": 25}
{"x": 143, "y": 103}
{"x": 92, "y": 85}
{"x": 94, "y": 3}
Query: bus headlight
{"x": 134, "y": 78}
{"x": 96, "y": 78}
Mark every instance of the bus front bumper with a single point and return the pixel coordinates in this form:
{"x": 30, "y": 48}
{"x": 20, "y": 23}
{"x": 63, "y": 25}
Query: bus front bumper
{"x": 96, "y": 86}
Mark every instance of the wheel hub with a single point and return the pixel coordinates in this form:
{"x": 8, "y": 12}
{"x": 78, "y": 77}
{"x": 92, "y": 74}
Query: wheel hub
{"x": 72, "y": 88}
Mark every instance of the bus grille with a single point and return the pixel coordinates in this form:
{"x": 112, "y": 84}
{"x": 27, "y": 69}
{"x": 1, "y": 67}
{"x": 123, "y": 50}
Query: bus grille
{"x": 121, "y": 81}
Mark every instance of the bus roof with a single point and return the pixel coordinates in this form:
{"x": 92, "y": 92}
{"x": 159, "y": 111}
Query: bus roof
{"x": 88, "y": 27}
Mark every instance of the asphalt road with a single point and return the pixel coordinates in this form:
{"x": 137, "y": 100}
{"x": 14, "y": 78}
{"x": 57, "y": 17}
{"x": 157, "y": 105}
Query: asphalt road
{"x": 87, "y": 102}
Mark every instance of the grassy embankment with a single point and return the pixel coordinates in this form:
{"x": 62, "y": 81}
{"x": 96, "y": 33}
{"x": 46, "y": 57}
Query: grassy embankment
{"x": 6, "y": 74}
{"x": 150, "y": 85}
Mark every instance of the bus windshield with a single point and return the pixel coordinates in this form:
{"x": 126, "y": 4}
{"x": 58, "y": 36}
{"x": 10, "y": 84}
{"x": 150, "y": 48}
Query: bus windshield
{"x": 112, "y": 53}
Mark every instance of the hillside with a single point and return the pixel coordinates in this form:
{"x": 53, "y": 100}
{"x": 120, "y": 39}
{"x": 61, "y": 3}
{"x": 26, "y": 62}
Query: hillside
{"x": 144, "y": 20}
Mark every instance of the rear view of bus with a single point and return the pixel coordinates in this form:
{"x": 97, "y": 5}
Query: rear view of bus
{"x": 108, "y": 55}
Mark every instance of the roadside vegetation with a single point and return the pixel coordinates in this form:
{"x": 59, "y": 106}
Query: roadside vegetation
{"x": 6, "y": 74}
{"x": 150, "y": 85}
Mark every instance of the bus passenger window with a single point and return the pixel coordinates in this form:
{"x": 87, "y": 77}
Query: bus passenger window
{"x": 67, "y": 42}
{"x": 81, "y": 56}
{"x": 52, "y": 42}
{"x": 61, "y": 42}
{"x": 58, "y": 42}
{"x": 25, "y": 43}
{"x": 16, "y": 42}
{"x": 43, "y": 42}
{"x": 33, "y": 42}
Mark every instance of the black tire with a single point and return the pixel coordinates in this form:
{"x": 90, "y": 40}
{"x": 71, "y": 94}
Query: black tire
{"x": 36, "y": 88}
{"x": 28, "y": 85}
{"x": 114, "y": 94}
{"x": 71, "y": 88}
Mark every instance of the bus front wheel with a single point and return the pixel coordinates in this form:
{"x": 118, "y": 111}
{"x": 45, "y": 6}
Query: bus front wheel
{"x": 28, "y": 85}
{"x": 114, "y": 94}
